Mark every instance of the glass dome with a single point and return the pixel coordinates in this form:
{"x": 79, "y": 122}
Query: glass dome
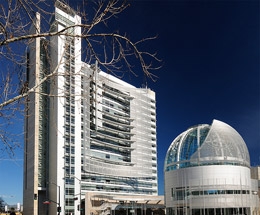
{"x": 216, "y": 144}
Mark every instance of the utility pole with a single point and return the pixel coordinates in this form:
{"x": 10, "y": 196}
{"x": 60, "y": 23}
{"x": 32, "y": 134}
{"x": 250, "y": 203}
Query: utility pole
{"x": 80, "y": 211}
{"x": 58, "y": 203}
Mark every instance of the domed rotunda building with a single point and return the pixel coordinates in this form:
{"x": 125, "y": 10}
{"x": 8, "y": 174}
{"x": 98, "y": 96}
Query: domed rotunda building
{"x": 207, "y": 172}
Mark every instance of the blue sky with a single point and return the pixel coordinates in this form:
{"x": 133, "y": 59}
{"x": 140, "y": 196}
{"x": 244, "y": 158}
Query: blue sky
{"x": 11, "y": 180}
{"x": 210, "y": 56}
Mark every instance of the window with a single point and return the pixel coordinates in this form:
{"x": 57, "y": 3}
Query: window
{"x": 67, "y": 129}
{"x": 73, "y": 110}
{"x": 67, "y": 170}
{"x": 67, "y": 160}
{"x": 72, "y": 139}
{"x": 72, "y": 129}
{"x": 70, "y": 202}
{"x": 67, "y": 119}
{"x": 67, "y": 109}
{"x": 67, "y": 149}
{"x": 69, "y": 181}
{"x": 69, "y": 191}
{"x": 72, "y": 170}
{"x": 72, "y": 120}
{"x": 67, "y": 139}
{"x": 72, "y": 160}
{"x": 72, "y": 150}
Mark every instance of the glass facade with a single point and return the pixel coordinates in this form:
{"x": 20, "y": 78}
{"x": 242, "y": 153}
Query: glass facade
{"x": 43, "y": 117}
{"x": 69, "y": 118}
{"x": 216, "y": 144}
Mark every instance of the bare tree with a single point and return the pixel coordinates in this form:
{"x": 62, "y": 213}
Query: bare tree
{"x": 114, "y": 52}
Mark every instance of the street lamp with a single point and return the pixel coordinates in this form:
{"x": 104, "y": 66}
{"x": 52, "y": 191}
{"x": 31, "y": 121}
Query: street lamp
{"x": 79, "y": 191}
{"x": 59, "y": 208}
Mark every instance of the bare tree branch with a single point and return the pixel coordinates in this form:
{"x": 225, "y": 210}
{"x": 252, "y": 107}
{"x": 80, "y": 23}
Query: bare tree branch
{"x": 114, "y": 52}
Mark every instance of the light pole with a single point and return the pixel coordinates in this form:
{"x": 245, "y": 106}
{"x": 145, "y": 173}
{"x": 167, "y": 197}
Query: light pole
{"x": 59, "y": 208}
{"x": 79, "y": 192}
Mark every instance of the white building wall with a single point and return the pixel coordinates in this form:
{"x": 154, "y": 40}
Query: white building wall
{"x": 214, "y": 177}
{"x": 143, "y": 164}
{"x": 57, "y": 174}
{"x": 78, "y": 66}
{"x": 55, "y": 129}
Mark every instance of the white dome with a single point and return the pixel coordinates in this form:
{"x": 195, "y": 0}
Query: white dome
{"x": 216, "y": 144}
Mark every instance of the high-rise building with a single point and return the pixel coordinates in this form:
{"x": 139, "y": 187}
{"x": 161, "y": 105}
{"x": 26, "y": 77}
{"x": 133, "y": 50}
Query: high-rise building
{"x": 93, "y": 133}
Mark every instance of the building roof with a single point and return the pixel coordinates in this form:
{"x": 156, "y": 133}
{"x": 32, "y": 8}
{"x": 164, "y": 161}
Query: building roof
{"x": 215, "y": 144}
